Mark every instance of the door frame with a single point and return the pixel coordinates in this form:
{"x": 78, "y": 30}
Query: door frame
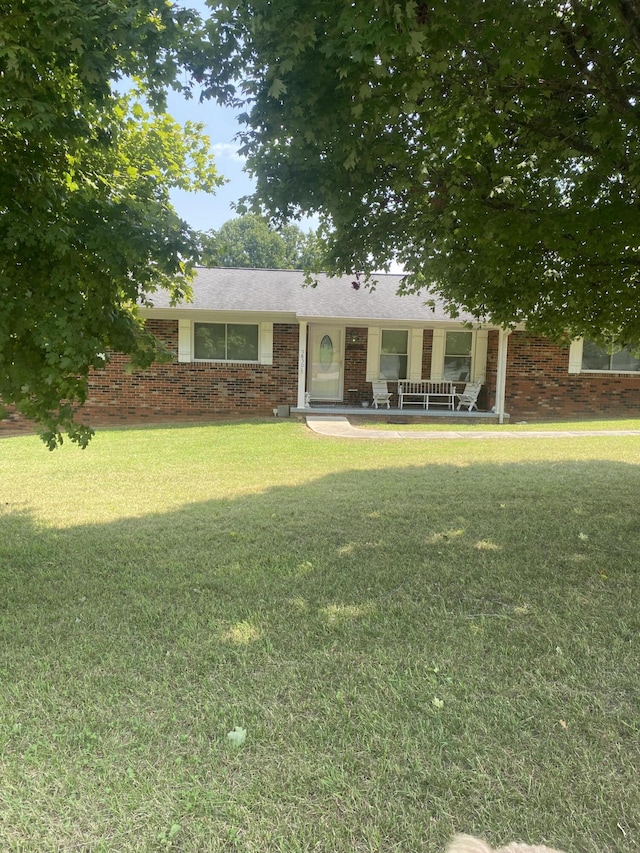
{"x": 316, "y": 333}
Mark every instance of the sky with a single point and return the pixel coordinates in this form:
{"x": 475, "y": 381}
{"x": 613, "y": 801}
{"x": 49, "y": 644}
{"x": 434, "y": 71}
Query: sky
{"x": 202, "y": 210}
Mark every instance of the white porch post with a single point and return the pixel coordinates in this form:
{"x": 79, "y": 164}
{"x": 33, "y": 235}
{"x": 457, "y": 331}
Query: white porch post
{"x": 501, "y": 373}
{"x": 302, "y": 362}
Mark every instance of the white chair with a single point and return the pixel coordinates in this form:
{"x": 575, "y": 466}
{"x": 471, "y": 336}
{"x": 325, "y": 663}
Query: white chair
{"x": 469, "y": 395}
{"x": 381, "y": 394}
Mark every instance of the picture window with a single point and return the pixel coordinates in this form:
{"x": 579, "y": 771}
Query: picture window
{"x": 615, "y": 359}
{"x": 225, "y": 341}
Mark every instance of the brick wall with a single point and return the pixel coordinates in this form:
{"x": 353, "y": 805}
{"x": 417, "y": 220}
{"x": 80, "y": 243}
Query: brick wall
{"x": 427, "y": 347}
{"x": 194, "y": 390}
{"x": 539, "y": 385}
{"x": 356, "y": 387}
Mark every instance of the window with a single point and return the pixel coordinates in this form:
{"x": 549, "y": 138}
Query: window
{"x": 614, "y": 358}
{"x": 457, "y": 356}
{"x": 225, "y": 341}
{"x": 394, "y": 354}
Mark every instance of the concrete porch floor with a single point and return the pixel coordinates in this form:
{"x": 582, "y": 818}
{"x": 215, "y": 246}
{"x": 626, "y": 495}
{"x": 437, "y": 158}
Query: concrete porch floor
{"x": 399, "y": 416}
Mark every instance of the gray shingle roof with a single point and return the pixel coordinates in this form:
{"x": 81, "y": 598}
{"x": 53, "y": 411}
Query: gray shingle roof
{"x": 283, "y": 292}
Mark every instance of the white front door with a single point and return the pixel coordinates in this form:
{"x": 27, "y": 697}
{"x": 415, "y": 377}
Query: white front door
{"x": 326, "y": 362}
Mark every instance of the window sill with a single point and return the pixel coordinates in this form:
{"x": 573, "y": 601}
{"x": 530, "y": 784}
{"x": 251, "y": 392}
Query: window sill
{"x": 223, "y": 361}
{"x": 612, "y": 372}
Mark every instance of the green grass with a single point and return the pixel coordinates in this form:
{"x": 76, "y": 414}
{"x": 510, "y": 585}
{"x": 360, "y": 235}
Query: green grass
{"x": 522, "y": 426}
{"x": 419, "y": 637}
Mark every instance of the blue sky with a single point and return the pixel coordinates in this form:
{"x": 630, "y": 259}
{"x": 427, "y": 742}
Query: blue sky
{"x": 201, "y": 210}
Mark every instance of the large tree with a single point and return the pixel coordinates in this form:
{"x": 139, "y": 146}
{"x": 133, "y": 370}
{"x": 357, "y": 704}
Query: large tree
{"x": 250, "y": 241}
{"x": 87, "y": 230}
{"x": 492, "y": 147}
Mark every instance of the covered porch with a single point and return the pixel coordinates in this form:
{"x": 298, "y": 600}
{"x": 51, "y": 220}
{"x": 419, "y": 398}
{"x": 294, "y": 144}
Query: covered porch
{"x": 339, "y": 363}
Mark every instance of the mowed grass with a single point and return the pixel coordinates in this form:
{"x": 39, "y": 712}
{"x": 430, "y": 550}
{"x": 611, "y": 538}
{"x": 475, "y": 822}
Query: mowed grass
{"x": 418, "y": 637}
{"x": 517, "y": 426}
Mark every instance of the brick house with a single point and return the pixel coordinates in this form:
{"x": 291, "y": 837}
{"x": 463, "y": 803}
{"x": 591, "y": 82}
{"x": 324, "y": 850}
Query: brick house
{"x": 253, "y": 340}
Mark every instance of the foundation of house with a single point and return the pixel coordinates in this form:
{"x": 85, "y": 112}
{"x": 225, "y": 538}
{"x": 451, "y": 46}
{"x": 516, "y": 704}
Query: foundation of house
{"x": 399, "y": 416}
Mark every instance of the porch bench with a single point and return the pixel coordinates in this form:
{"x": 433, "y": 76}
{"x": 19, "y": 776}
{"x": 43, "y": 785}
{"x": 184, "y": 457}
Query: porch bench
{"x": 425, "y": 393}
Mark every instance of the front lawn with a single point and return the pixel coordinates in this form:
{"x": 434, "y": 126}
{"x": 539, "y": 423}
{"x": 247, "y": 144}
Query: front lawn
{"x": 432, "y": 425}
{"x": 418, "y": 637}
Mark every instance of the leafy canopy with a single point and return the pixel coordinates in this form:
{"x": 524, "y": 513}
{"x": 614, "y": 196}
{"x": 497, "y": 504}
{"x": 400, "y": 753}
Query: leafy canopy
{"x": 249, "y": 241}
{"x": 87, "y": 230}
{"x": 489, "y": 146}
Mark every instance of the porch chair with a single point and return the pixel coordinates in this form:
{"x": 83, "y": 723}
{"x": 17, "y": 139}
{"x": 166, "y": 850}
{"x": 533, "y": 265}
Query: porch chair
{"x": 381, "y": 394}
{"x": 469, "y": 395}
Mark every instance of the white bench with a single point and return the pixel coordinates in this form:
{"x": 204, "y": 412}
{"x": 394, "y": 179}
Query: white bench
{"x": 425, "y": 393}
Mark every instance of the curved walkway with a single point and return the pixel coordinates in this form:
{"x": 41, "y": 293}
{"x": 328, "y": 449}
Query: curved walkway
{"x": 339, "y": 427}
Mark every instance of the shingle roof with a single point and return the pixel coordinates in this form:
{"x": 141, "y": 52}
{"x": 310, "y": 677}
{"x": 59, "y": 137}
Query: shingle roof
{"x": 284, "y": 292}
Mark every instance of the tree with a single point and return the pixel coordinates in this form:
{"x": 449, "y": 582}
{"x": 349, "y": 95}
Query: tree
{"x": 249, "y": 241}
{"x": 87, "y": 231}
{"x": 303, "y": 248}
{"x": 492, "y": 147}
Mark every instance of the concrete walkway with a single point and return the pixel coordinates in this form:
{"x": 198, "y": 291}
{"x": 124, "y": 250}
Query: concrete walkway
{"x": 339, "y": 427}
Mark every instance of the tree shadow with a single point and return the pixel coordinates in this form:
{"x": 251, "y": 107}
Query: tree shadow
{"x": 416, "y": 649}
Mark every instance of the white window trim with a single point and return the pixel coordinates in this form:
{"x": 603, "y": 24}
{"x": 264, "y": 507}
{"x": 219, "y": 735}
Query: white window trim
{"x": 186, "y": 342}
{"x": 575, "y": 356}
{"x": 575, "y": 363}
{"x": 437, "y": 355}
{"x": 479, "y": 347}
{"x": 374, "y": 351}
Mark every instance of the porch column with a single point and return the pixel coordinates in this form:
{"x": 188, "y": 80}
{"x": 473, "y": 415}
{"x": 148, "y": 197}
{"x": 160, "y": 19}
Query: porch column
{"x": 501, "y": 372}
{"x": 302, "y": 362}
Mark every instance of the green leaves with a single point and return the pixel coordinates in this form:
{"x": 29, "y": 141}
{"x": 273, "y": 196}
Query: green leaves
{"x": 277, "y": 88}
{"x": 86, "y": 226}
{"x": 249, "y": 241}
{"x": 406, "y": 129}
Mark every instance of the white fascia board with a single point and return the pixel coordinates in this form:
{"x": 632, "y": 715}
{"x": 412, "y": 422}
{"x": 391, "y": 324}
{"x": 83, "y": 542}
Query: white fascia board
{"x": 188, "y": 312}
{"x": 391, "y": 322}
{"x": 201, "y": 314}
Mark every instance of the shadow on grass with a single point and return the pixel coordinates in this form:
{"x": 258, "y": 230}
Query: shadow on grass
{"x": 411, "y": 651}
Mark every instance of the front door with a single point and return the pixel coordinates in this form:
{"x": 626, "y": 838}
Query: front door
{"x": 326, "y": 362}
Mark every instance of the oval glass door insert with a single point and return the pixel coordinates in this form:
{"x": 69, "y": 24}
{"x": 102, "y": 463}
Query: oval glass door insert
{"x": 326, "y": 352}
